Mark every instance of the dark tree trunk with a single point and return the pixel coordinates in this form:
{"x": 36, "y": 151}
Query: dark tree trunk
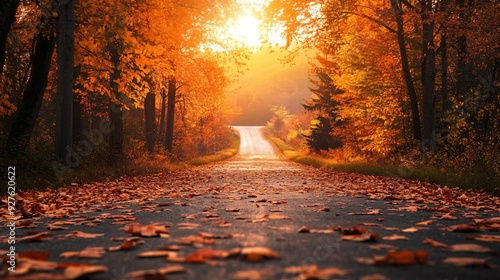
{"x": 428, "y": 77}
{"x": 417, "y": 134}
{"x": 65, "y": 60}
{"x": 462, "y": 67}
{"x": 162, "y": 114}
{"x": 115, "y": 110}
{"x": 149, "y": 110}
{"x": 169, "y": 138}
{"x": 8, "y": 10}
{"x": 77, "y": 119}
{"x": 444, "y": 74}
{"x": 22, "y": 127}
{"x": 77, "y": 111}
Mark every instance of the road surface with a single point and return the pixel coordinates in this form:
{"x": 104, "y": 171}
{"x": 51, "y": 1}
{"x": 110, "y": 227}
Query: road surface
{"x": 260, "y": 200}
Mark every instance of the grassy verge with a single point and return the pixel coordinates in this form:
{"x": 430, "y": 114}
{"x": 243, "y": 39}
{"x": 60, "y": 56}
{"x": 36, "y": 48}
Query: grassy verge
{"x": 35, "y": 171}
{"x": 473, "y": 180}
{"x": 219, "y": 156}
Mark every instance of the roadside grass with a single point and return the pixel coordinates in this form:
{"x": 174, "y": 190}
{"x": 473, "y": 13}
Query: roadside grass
{"x": 35, "y": 170}
{"x": 475, "y": 180}
{"x": 219, "y": 156}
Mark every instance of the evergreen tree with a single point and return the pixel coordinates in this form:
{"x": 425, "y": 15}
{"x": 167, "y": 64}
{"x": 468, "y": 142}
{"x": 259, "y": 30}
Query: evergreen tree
{"x": 323, "y": 102}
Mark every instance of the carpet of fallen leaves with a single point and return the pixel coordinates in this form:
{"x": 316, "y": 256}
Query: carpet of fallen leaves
{"x": 59, "y": 215}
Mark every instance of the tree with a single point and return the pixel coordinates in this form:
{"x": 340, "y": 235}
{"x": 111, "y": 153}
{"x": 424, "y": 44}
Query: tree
{"x": 8, "y": 10}
{"x": 65, "y": 78}
{"x": 325, "y": 106}
{"x": 27, "y": 113}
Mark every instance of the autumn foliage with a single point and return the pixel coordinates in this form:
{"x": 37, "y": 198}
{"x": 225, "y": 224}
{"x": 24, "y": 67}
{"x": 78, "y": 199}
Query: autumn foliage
{"x": 420, "y": 79}
{"x": 129, "y": 57}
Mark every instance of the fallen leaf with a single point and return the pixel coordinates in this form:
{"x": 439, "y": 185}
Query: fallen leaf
{"x": 485, "y": 238}
{"x": 364, "y": 237}
{"x": 410, "y": 230}
{"x": 42, "y": 236}
{"x": 403, "y": 257}
{"x": 156, "y": 273}
{"x": 89, "y": 252}
{"x": 255, "y": 254}
{"x": 313, "y": 272}
{"x": 127, "y": 244}
{"x": 81, "y": 234}
{"x": 435, "y": 243}
{"x": 469, "y": 247}
{"x": 462, "y": 228}
{"x": 395, "y": 237}
{"x": 425, "y": 223}
{"x": 468, "y": 262}
{"x": 154, "y": 254}
{"x": 74, "y": 272}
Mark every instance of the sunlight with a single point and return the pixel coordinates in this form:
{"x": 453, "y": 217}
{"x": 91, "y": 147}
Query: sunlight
{"x": 246, "y": 30}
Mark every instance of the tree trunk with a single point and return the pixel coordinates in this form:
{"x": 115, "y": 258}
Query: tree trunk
{"x": 22, "y": 127}
{"x": 65, "y": 61}
{"x": 149, "y": 110}
{"x": 77, "y": 111}
{"x": 428, "y": 77}
{"x": 115, "y": 110}
{"x": 169, "y": 138}
{"x": 162, "y": 114}
{"x": 417, "y": 134}
{"x": 444, "y": 74}
{"x": 8, "y": 10}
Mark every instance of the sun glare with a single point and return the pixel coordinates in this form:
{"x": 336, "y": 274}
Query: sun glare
{"x": 246, "y": 30}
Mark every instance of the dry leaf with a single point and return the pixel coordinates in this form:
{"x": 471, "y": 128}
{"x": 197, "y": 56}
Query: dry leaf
{"x": 255, "y": 254}
{"x": 154, "y": 254}
{"x": 361, "y": 237}
{"x": 469, "y": 247}
{"x": 81, "y": 234}
{"x": 467, "y": 262}
{"x": 395, "y": 237}
{"x": 485, "y": 238}
{"x": 425, "y": 223}
{"x": 74, "y": 272}
{"x": 435, "y": 243}
{"x": 42, "y": 236}
{"x": 410, "y": 229}
{"x": 156, "y": 274}
{"x": 89, "y": 252}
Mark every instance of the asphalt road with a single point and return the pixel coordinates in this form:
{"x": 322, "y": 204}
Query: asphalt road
{"x": 260, "y": 199}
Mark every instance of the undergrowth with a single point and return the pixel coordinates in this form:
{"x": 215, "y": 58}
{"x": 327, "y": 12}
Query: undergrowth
{"x": 476, "y": 180}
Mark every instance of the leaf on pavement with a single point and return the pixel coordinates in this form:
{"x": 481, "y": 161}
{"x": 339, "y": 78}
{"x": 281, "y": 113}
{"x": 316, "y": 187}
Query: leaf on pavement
{"x": 74, "y": 272}
{"x": 410, "y": 229}
{"x": 194, "y": 240}
{"x": 89, "y": 252}
{"x": 255, "y": 254}
{"x": 485, "y": 238}
{"x": 154, "y": 254}
{"x": 146, "y": 231}
{"x": 435, "y": 243}
{"x": 395, "y": 237}
{"x": 425, "y": 223}
{"x": 313, "y": 272}
{"x": 41, "y": 236}
{"x": 81, "y": 234}
{"x": 372, "y": 212}
{"x": 404, "y": 257}
{"x": 156, "y": 273}
{"x": 468, "y": 262}
{"x": 188, "y": 225}
{"x": 364, "y": 237}
{"x": 55, "y": 227}
{"x": 462, "y": 228}
{"x": 127, "y": 244}
{"x": 469, "y": 247}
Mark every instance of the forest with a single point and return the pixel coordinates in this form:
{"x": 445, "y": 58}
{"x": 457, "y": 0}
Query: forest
{"x": 410, "y": 83}
{"x": 88, "y": 87}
